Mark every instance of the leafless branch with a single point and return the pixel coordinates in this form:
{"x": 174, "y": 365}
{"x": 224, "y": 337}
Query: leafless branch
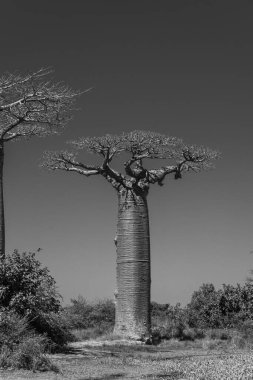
{"x": 67, "y": 161}
{"x": 30, "y": 106}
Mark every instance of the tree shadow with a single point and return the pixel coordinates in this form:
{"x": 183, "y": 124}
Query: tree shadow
{"x": 105, "y": 377}
{"x": 172, "y": 375}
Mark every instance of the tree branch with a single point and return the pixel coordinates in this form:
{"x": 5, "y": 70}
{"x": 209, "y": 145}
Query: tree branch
{"x": 158, "y": 175}
{"x": 66, "y": 161}
{"x": 30, "y": 107}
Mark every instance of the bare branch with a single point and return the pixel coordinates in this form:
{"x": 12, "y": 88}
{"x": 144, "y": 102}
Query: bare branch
{"x": 10, "y": 80}
{"x": 66, "y": 161}
{"x": 32, "y": 107}
{"x": 106, "y": 146}
{"x": 140, "y": 145}
{"x": 189, "y": 158}
{"x": 150, "y": 145}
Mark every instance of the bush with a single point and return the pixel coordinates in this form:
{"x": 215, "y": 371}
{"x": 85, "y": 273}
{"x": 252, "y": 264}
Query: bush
{"x": 83, "y": 314}
{"x": 28, "y": 354}
{"x": 227, "y": 307}
{"x": 169, "y": 321}
{"x": 13, "y": 328}
{"x": 20, "y": 347}
{"x": 104, "y": 329}
{"x": 26, "y": 287}
{"x": 55, "y": 326}
{"x": 220, "y": 334}
{"x": 203, "y": 310}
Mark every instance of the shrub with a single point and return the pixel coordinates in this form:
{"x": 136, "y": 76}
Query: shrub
{"x": 29, "y": 354}
{"x": 55, "y": 326}
{"x": 83, "y": 314}
{"x": 227, "y": 307}
{"x": 13, "y": 328}
{"x": 220, "y": 334}
{"x": 20, "y": 347}
{"x": 203, "y": 309}
{"x": 26, "y": 287}
{"x": 104, "y": 329}
{"x": 169, "y": 321}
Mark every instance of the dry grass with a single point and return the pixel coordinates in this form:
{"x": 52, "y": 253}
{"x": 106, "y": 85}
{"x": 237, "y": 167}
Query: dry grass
{"x": 170, "y": 360}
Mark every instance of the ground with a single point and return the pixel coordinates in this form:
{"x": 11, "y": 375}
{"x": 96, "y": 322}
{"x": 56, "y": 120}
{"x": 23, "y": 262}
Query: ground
{"x": 114, "y": 360}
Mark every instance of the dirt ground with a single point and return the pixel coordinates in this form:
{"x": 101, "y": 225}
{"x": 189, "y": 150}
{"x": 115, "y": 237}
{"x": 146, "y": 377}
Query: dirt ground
{"x": 114, "y": 361}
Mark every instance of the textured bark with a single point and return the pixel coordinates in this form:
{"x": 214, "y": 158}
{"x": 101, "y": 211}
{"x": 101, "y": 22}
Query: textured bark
{"x": 132, "y": 297}
{"x": 2, "y": 223}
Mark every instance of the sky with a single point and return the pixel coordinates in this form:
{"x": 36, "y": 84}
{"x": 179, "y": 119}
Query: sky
{"x": 179, "y": 67}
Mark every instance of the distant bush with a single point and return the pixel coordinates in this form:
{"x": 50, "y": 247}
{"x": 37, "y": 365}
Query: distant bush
{"x": 82, "y": 314}
{"x": 170, "y": 322}
{"x": 227, "y": 307}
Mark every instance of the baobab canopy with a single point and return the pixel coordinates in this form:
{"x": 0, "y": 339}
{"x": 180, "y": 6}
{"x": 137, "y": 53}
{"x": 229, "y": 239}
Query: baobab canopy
{"x": 132, "y": 296}
{"x": 141, "y": 146}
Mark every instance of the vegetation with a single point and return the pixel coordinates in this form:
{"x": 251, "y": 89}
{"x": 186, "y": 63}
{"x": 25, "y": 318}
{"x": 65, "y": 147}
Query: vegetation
{"x": 20, "y": 346}
{"x": 32, "y": 320}
{"x": 132, "y": 319}
{"x": 33, "y": 323}
{"x": 212, "y": 314}
{"x": 228, "y": 307}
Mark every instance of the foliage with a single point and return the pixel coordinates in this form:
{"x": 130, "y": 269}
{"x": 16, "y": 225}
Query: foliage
{"x": 204, "y": 309}
{"x": 26, "y": 287}
{"x": 82, "y": 314}
{"x": 56, "y": 327}
{"x": 171, "y": 322}
{"x": 227, "y": 307}
{"x": 13, "y": 328}
{"x": 20, "y": 347}
{"x": 29, "y": 290}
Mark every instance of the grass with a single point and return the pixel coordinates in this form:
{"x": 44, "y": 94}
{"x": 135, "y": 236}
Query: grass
{"x": 173, "y": 359}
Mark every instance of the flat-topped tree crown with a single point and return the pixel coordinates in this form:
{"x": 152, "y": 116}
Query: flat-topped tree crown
{"x": 140, "y": 146}
{"x": 132, "y": 297}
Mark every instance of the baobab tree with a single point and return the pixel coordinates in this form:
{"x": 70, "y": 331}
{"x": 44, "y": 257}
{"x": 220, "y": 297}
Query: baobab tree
{"x": 29, "y": 106}
{"x": 132, "y": 240}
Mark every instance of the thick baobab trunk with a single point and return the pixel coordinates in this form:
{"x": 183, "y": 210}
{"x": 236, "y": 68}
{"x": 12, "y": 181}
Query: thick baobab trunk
{"x": 132, "y": 297}
{"x": 2, "y": 225}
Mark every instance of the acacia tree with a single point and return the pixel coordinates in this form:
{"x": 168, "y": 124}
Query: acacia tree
{"x": 132, "y": 297}
{"x": 29, "y": 106}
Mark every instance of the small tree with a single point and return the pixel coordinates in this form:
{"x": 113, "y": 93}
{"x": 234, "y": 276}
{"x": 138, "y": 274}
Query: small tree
{"x": 204, "y": 308}
{"x": 29, "y": 106}
{"x": 132, "y": 239}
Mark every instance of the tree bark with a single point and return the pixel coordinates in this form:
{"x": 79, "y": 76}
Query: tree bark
{"x": 2, "y": 223}
{"x": 132, "y": 297}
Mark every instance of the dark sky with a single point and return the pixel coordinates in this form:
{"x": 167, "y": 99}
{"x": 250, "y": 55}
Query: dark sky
{"x": 179, "y": 67}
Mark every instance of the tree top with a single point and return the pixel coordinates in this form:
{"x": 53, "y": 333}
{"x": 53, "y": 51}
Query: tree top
{"x": 139, "y": 146}
{"x": 31, "y": 105}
